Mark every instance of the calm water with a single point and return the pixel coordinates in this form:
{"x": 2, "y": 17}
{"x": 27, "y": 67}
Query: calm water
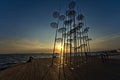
{"x": 7, "y": 60}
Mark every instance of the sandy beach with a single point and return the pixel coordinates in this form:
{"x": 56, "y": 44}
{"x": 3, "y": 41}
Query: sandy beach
{"x": 40, "y": 69}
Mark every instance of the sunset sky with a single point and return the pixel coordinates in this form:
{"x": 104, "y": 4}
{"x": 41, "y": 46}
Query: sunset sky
{"x": 25, "y": 24}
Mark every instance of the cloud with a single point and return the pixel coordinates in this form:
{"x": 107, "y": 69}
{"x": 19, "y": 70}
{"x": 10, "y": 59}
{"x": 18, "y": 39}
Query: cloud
{"x": 23, "y": 45}
{"x": 36, "y": 46}
{"x": 108, "y": 37}
{"x": 106, "y": 42}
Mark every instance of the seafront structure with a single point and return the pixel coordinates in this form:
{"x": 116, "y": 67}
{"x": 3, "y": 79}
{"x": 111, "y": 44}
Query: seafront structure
{"x": 72, "y": 35}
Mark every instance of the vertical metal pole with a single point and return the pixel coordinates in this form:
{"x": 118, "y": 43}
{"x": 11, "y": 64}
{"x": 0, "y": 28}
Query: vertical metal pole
{"x": 75, "y": 43}
{"x": 81, "y": 46}
{"x": 54, "y": 47}
{"x": 70, "y": 45}
{"x": 86, "y": 47}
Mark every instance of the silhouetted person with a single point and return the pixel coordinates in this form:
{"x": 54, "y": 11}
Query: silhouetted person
{"x": 86, "y": 56}
{"x": 30, "y": 59}
{"x": 106, "y": 56}
{"x": 102, "y": 57}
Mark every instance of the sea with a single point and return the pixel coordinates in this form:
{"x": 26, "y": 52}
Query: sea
{"x": 7, "y": 60}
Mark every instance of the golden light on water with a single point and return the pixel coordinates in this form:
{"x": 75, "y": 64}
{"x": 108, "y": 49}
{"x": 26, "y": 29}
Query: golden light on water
{"x": 60, "y": 50}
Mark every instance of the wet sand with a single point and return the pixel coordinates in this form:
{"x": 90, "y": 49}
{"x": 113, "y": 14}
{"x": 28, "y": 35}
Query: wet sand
{"x": 40, "y": 69}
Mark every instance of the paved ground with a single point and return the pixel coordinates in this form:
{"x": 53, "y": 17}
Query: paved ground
{"x": 40, "y": 69}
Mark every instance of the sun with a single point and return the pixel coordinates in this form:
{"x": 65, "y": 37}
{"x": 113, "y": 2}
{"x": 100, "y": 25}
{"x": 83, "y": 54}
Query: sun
{"x": 59, "y": 47}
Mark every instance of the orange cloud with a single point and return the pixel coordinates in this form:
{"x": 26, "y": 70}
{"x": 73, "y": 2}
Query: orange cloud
{"x": 23, "y": 45}
{"x": 106, "y": 42}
